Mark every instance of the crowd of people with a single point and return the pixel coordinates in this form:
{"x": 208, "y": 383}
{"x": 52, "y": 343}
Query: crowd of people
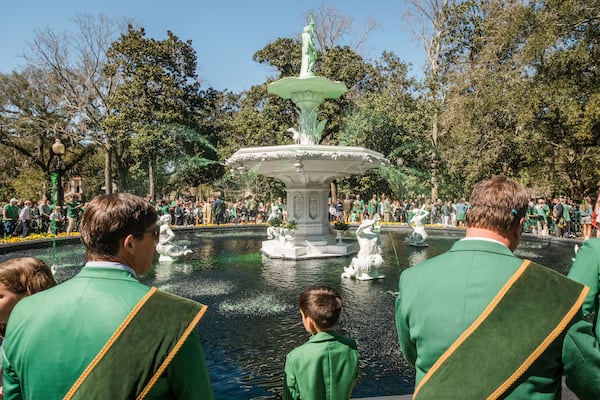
{"x": 215, "y": 210}
{"x": 24, "y": 217}
{"x": 452, "y": 311}
{"x": 560, "y": 216}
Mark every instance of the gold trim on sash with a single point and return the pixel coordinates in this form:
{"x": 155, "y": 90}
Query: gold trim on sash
{"x": 520, "y": 370}
{"x": 172, "y": 354}
{"x": 543, "y": 346}
{"x": 109, "y": 343}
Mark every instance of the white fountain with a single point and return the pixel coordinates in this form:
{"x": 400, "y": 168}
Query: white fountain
{"x": 307, "y": 168}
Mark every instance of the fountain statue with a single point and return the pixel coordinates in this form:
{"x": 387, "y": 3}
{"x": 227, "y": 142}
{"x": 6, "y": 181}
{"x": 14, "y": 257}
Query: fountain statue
{"x": 307, "y": 167}
{"x": 309, "y": 50}
{"x": 368, "y": 261}
{"x": 167, "y": 250}
{"x": 418, "y": 235}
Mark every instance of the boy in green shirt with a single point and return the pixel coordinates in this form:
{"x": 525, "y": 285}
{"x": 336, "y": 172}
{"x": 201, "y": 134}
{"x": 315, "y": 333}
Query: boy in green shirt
{"x": 325, "y": 367}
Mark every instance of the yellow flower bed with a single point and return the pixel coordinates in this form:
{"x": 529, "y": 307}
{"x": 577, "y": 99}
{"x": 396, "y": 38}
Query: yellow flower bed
{"x": 34, "y": 236}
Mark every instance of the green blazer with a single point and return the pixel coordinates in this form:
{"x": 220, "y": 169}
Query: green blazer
{"x": 586, "y": 270}
{"x": 53, "y": 335}
{"x": 324, "y": 368}
{"x": 441, "y": 297}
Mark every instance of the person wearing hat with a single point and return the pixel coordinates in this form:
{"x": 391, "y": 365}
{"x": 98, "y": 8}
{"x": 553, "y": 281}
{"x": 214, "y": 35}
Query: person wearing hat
{"x": 10, "y": 217}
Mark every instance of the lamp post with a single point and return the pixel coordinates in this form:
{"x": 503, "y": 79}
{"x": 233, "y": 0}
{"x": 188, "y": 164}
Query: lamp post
{"x": 58, "y": 149}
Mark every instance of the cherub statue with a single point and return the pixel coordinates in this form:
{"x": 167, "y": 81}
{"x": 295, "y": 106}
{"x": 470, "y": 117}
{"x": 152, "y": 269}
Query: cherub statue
{"x": 167, "y": 250}
{"x": 418, "y": 235}
{"x": 366, "y": 264}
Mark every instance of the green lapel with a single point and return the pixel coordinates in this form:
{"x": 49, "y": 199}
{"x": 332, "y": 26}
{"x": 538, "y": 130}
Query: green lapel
{"x": 140, "y": 350}
{"x": 545, "y": 299}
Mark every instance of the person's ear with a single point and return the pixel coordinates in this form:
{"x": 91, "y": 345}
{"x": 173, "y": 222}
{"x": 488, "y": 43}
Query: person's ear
{"x": 311, "y": 327}
{"x": 516, "y": 235}
{"x": 521, "y": 222}
{"x": 129, "y": 243}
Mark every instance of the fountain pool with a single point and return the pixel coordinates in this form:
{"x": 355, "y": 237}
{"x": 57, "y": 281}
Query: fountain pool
{"x": 253, "y": 321}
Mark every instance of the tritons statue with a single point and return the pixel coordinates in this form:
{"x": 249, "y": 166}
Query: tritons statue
{"x": 418, "y": 235}
{"x": 366, "y": 265}
{"x": 167, "y": 250}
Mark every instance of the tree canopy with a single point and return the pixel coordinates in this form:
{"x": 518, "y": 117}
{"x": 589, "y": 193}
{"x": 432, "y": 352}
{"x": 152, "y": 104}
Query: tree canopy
{"x": 509, "y": 87}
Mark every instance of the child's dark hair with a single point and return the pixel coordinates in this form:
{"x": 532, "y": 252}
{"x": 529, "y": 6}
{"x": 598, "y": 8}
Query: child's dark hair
{"x": 322, "y": 304}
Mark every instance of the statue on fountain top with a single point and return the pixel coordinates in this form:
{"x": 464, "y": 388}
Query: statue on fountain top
{"x": 167, "y": 250}
{"x": 309, "y": 51}
{"x": 307, "y": 92}
{"x": 366, "y": 265}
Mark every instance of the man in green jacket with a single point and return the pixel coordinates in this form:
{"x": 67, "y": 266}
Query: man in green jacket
{"x": 102, "y": 334}
{"x": 478, "y": 322}
{"x": 586, "y": 269}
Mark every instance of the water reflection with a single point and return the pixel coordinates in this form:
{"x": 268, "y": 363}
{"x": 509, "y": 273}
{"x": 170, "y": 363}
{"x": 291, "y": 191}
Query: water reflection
{"x": 417, "y": 256}
{"x": 255, "y": 305}
{"x": 253, "y": 319}
{"x": 279, "y": 272}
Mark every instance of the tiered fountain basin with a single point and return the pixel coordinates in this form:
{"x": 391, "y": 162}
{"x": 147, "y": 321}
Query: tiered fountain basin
{"x": 306, "y": 171}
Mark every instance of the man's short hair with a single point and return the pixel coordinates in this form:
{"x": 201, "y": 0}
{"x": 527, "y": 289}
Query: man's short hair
{"x": 497, "y": 204}
{"x": 322, "y": 304}
{"x": 110, "y": 218}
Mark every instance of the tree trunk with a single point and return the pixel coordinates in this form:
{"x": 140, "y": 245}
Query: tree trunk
{"x": 107, "y": 169}
{"x": 434, "y": 157}
{"x": 434, "y": 183}
{"x": 151, "y": 180}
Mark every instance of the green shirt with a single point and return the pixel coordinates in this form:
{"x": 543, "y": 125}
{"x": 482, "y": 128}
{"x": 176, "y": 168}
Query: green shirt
{"x": 73, "y": 209}
{"x": 11, "y": 212}
{"x": 359, "y": 206}
{"x": 373, "y": 207}
{"x": 324, "y": 368}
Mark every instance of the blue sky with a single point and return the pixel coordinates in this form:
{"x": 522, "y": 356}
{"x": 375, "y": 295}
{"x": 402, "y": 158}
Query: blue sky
{"x": 224, "y": 33}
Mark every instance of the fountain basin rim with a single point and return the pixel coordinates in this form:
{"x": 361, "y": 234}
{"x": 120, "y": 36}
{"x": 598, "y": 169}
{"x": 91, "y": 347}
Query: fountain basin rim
{"x": 291, "y": 87}
{"x": 305, "y": 152}
{"x": 306, "y": 164}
